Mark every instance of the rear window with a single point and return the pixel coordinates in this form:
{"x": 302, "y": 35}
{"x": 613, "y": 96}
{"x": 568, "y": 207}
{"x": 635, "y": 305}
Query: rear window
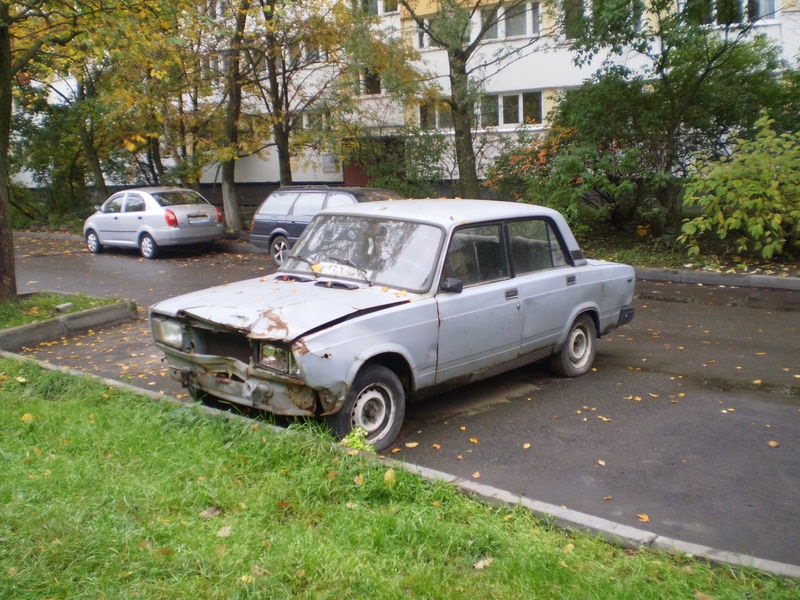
{"x": 376, "y": 195}
{"x": 178, "y": 197}
{"x": 277, "y": 203}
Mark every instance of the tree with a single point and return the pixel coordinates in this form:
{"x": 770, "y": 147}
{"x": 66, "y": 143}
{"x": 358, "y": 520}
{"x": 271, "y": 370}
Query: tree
{"x": 627, "y": 136}
{"x": 308, "y": 63}
{"x": 450, "y": 28}
{"x": 29, "y": 32}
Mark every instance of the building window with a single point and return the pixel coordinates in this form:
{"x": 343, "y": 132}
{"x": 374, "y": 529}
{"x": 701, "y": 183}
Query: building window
{"x": 389, "y": 6}
{"x": 511, "y": 109}
{"x": 573, "y": 18}
{"x": 435, "y": 115}
{"x": 490, "y": 16}
{"x": 368, "y": 6}
{"x": 513, "y": 21}
{"x": 370, "y": 83}
{"x": 760, "y": 9}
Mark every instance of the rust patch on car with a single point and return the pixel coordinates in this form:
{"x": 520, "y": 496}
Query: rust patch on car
{"x": 278, "y": 324}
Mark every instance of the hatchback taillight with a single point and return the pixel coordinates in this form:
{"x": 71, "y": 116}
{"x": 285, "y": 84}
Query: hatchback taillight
{"x": 170, "y": 218}
{"x": 219, "y": 215}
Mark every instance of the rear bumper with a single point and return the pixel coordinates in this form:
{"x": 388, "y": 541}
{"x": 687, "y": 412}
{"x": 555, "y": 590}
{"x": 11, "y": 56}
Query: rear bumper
{"x": 625, "y": 315}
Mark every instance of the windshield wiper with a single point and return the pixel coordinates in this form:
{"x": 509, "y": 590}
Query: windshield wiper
{"x": 347, "y": 263}
{"x": 303, "y": 259}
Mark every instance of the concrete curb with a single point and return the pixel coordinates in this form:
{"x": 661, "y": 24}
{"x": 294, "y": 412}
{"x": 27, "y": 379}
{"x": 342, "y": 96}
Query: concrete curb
{"x": 613, "y": 532}
{"x": 712, "y": 278}
{"x": 67, "y": 324}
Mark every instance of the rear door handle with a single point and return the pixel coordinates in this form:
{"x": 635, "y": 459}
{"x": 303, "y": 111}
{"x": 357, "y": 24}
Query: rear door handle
{"x": 512, "y": 294}
{"x": 571, "y": 279}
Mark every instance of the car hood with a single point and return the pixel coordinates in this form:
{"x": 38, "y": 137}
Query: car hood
{"x": 280, "y": 307}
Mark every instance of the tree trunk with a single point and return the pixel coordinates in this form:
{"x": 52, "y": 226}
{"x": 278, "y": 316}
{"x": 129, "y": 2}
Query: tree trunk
{"x": 461, "y": 105}
{"x": 281, "y": 134}
{"x": 8, "y": 280}
{"x": 233, "y": 220}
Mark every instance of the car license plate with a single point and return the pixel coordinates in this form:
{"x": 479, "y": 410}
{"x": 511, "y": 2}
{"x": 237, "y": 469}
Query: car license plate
{"x": 195, "y": 219}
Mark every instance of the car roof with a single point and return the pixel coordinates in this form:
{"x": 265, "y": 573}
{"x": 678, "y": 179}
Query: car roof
{"x": 447, "y": 212}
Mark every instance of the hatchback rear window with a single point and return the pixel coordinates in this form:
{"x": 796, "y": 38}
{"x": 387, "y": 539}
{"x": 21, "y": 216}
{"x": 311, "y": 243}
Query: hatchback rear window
{"x": 178, "y": 197}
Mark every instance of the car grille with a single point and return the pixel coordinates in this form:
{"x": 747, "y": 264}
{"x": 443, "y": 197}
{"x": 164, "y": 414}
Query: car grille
{"x": 222, "y": 343}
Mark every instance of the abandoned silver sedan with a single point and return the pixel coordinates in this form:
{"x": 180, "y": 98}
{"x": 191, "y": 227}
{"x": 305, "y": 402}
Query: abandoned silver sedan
{"x": 384, "y": 302}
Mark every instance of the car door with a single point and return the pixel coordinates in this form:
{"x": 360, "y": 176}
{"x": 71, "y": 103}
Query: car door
{"x": 479, "y": 328}
{"x": 107, "y": 221}
{"x": 131, "y": 218}
{"x": 547, "y": 283}
{"x": 305, "y": 207}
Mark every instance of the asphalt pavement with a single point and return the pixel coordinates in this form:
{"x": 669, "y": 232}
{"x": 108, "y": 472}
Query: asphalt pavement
{"x": 686, "y": 436}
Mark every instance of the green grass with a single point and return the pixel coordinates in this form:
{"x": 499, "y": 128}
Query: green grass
{"x": 106, "y": 494}
{"x": 41, "y": 306}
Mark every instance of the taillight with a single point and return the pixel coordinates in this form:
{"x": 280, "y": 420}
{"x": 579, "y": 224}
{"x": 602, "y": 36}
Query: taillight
{"x": 170, "y": 218}
{"x": 219, "y": 215}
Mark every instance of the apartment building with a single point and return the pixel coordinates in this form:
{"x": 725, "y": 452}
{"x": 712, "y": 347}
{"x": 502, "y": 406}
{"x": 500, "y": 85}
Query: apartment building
{"x": 522, "y": 63}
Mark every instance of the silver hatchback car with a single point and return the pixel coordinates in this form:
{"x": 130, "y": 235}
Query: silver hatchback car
{"x": 149, "y": 218}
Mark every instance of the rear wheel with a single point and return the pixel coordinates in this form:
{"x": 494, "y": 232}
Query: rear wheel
{"x": 147, "y": 246}
{"x": 93, "y": 242}
{"x": 577, "y": 355}
{"x": 279, "y": 249}
{"x": 377, "y": 403}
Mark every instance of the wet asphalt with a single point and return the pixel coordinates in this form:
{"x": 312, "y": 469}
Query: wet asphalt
{"x": 689, "y": 425}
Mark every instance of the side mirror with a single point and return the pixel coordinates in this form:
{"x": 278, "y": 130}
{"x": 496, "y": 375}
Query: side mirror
{"x": 451, "y": 284}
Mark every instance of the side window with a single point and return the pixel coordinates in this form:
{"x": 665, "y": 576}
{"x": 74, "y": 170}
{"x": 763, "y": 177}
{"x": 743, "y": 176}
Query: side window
{"x": 535, "y": 246}
{"x": 134, "y": 203}
{"x": 114, "y": 205}
{"x": 308, "y": 204}
{"x": 339, "y": 199}
{"x": 277, "y": 203}
{"x": 476, "y": 255}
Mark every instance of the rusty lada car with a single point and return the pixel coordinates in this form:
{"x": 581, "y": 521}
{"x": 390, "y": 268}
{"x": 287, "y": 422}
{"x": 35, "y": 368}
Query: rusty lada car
{"x": 383, "y": 302}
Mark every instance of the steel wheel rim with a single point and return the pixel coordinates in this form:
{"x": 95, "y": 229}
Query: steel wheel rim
{"x": 371, "y": 408}
{"x": 579, "y": 347}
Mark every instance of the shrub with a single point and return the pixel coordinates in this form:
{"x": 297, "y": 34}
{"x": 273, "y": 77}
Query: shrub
{"x": 749, "y": 200}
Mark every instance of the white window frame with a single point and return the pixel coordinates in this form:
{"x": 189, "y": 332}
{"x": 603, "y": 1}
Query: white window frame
{"x": 501, "y": 121}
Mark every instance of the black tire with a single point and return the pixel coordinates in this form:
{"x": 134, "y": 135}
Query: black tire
{"x": 376, "y": 402}
{"x": 577, "y": 355}
{"x": 147, "y": 246}
{"x": 93, "y": 242}
{"x": 279, "y": 249}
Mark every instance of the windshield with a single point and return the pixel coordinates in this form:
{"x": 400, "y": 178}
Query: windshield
{"x": 399, "y": 254}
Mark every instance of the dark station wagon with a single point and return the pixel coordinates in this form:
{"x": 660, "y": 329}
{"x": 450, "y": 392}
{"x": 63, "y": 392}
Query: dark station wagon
{"x": 286, "y": 212}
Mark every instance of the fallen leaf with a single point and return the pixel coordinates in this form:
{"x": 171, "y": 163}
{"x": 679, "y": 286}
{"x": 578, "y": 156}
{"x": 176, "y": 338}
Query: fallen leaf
{"x": 211, "y": 512}
{"x": 473, "y": 440}
{"x": 22, "y": 379}
{"x": 390, "y": 478}
{"x": 604, "y": 419}
{"x": 359, "y": 479}
{"x": 644, "y": 518}
{"x": 224, "y": 532}
{"x": 27, "y": 418}
{"x": 412, "y": 444}
{"x": 483, "y": 563}
{"x": 602, "y": 463}
{"x": 607, "y": 498}
{"x": 476, "y": 475}
{"x": 526, "y": 446}
{"x": 773, "y": 444}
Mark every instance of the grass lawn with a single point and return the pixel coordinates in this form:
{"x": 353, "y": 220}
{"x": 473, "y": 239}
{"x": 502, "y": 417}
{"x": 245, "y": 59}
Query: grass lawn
{"x": 38, "y": 307}
{"x": 106, "y": 494}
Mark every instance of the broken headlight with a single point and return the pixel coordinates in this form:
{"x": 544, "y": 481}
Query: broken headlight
{"x": 167, "y": 331}
{"x": 277, "y": 358}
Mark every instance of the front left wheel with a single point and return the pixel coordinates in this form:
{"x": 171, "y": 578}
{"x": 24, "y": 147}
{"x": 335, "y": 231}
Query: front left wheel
{"x": 376, "y": 403}
{"x": 93, "y": 242}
